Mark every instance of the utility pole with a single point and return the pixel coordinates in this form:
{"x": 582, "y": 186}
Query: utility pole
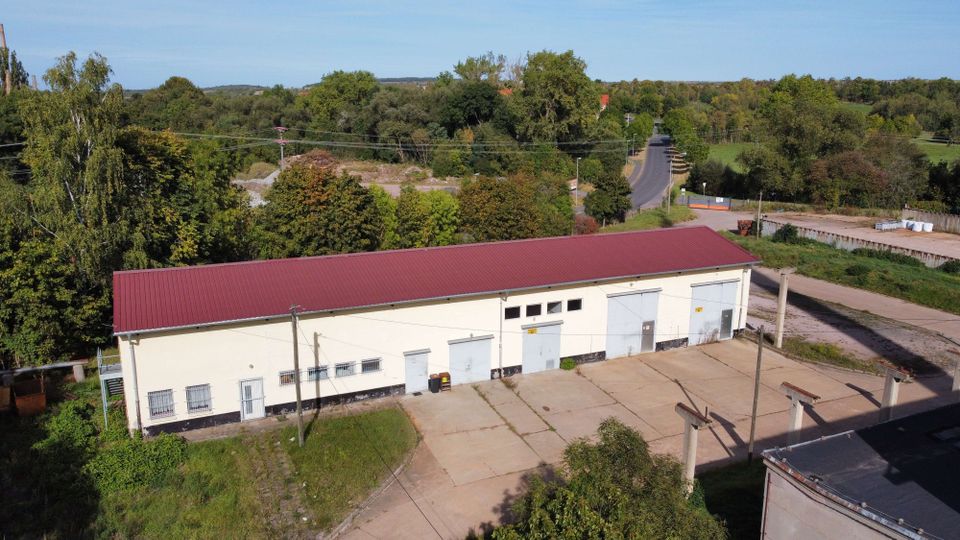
{"x": 35, "y": 87}
{"x": 294, "y": 322}
{"x": 782, "y": 304}
{"x": 7, "y": 76}
{"x": 756, "y": 395}
{"x": 282, "y": 142}
{"x": 759, "y": 204}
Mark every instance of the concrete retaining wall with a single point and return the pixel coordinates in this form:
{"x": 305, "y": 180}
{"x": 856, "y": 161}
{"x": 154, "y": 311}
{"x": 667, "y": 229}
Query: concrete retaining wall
{"x": 941, "y": 222}
{"x": 850, "y": 243}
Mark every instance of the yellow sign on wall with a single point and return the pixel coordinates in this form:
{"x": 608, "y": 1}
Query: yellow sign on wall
{"x": 531, "y": 330}
{"x": 699, "y": 309}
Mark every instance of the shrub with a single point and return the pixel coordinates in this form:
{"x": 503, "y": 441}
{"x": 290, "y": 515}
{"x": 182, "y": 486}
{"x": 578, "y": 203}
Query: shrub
{"x": 567, "y": 363}
{"x": 585, "y": 225}
{"x": 898, "y": 258}
{"x": 135, "y": 462}
{"x": 858, "y": 269}
{"x": 787, "y": 234}
{"x": 950, "y": 267}
{"x": 71, "y": 429}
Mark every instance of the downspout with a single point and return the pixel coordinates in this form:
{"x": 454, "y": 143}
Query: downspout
{"x": 136, "y": 389}
{"x": 503, "y": 300}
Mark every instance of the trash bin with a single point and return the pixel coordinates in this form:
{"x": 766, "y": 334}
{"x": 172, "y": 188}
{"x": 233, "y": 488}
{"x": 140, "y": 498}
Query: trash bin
{"x": 434, "y": 383}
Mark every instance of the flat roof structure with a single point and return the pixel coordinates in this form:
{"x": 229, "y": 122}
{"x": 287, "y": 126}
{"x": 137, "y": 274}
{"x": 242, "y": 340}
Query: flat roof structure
{"x": 901, "y": 476}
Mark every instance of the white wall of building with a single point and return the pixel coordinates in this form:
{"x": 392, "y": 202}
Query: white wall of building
{"x": 222, "y": 356}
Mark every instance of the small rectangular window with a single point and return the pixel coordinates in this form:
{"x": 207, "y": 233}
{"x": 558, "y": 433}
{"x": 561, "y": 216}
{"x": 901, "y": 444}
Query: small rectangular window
{"x": 317, "y": 373}
{"x": 286, "y": 377}
{"x": 574, "y": 305}
{"x": 370, "y": 366}
{"x": 554, "y": 307}
{"x": 198, "y": 398}
{"x": 534, "y": 309}
{"x": 511, "y": 313}
{"x": 161, "y": 403}
{"x": 345, "y": 369}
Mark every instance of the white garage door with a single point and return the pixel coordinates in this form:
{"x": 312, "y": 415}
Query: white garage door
{"x": 470, "y": 360}
{"x": 711, "y": 311}
{"x": 541, "y": 347}
{"x": 631, "y": 323}
{"x": 415, "y": 363}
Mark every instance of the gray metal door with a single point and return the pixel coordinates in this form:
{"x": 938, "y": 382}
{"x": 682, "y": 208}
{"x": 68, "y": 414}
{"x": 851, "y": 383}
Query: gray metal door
{"x": 415, "y": 365}
{"x": 251, "y": 399}
{"x": 647, "y": 342}
{"x": 726, "y": 323}
{"x": 709, "y": 305}
{"x": 626, "y": 316}
{"x": 470, "y": 360}
{"x": 541, "y": 347}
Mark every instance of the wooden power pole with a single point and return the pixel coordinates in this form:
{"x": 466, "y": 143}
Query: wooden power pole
{"x": 294, "y": 321}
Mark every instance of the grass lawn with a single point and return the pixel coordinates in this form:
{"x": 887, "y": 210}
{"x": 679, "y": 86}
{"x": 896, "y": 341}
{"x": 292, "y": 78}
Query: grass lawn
{"x": 655, "y": 218}
{"x": 864, "y": 108}
{"x": 727, "y": 153}
{"x": 937, "y": 151}
{"x": 918, "y": 284}
{"x": 735, "y": 493}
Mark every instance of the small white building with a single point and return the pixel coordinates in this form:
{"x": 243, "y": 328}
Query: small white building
{"x": 213, "y": 344}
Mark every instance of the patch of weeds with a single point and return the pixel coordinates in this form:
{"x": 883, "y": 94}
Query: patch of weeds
{"x": 568, "y": 363}
{"x": 826, "y": 353}
{"x": 509, "y": 382}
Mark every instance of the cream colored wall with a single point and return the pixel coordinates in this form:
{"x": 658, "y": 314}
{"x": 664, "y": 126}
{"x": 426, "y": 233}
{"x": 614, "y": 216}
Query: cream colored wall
{"x": 224, "y": 355}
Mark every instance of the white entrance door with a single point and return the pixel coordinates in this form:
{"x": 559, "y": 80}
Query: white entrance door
{"x": 470, "y": 360}
{"x": 251, "y": 399}
{"x": 416, "y": 371}
{"x": 631, "y": 323}
{"x": 541, "y": 347}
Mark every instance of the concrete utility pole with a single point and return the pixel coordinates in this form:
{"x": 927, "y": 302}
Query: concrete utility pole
{"x": 7, "y": 76}
{"x": 956, "y": 381}
{"x": 756, "y": 395}
{"x": 759, "y": 205}
{"x": 294, "y": 322}
{"x": 891, "y": 392}
{"x": 693, "y": 421}
{"x": 798, "y": 397}
{"x": 782, "y": 305}
{"x": 281, "y": 141}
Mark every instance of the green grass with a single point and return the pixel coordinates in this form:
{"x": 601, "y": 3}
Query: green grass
{"x": 825, "y": 353}
{"x": 344, "y": 458}
{"x": 864, "y": 108}
{"x": 727, "y": 153}
{"x": 921, "y": 285}
{"x": 735, "y": 493}
{"x": 215, "y": 493}
{"x": 655, "y": 218}
{"x": 938, "y": 151}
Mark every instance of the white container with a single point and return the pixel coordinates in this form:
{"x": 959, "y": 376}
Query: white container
{"x": 908, "y": 224}
{"x": 928, "y": 227}
{"x": 917, "y": 226}
{"x": 903, "y": 224}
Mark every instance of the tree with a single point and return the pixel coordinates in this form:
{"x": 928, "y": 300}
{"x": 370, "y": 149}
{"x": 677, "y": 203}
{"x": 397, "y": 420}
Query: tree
{"x": 387, "y": 208}
{"x": 494, "y": 209}
{"x": 176, "y": 104}
{"x": 337, "y": 99}
{"x": 310, "y": 210}
{"x": 614, "y": 488}
{"x": 18, "y": 75}
{"x": 610, "y": 199}
{"x": 904, "y": 165}
{"x": 487, "y": 67}
{"x": 559, "y": 101}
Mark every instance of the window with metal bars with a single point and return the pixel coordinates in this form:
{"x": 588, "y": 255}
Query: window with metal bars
{"x": 345, "y": 369}
{"x": 198, "y": 398}
{"x": 161, "y": 403}
{"x": 317, "y": 373}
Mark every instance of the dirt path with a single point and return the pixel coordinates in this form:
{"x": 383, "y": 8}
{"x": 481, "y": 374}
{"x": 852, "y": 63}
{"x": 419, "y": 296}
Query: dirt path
{"x": 281, "y": 496}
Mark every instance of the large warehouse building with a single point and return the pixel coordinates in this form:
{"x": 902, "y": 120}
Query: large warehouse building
{"x": 212, "y": 344}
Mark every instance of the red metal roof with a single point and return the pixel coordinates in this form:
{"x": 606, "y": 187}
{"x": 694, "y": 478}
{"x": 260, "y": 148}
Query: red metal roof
{"x": 199, "y": 295}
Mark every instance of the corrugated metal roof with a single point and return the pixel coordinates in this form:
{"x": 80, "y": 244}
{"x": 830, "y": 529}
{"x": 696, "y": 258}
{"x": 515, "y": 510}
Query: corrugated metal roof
{"x": 146, "y": 300}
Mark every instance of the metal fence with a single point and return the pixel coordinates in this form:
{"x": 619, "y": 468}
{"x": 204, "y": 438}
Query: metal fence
{"x": 705, "y": 202}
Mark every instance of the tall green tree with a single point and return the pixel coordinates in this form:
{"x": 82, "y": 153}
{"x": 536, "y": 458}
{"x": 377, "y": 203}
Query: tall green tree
{"x": 336, "y": 101}
{"x": 497, "y": 209}
{"x": 610, "y": 199}
{"x": 559, "y": 101}
{"x": 426, "y": 219}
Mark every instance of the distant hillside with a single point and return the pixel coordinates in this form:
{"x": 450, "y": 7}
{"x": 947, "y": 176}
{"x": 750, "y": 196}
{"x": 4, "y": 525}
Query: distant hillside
{"x": 235, "y": 89}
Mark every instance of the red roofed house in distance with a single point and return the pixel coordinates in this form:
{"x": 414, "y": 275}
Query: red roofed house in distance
{"x": 206, "y": 345}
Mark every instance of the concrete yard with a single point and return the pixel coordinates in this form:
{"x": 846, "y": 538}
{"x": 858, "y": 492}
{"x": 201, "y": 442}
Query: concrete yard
{"x": 481, "y": 441}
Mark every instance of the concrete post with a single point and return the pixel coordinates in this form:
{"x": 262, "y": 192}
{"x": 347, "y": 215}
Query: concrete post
{"x": 78, "y": 373}
{"x": 693, "y": 421}
{"x": 891, "y": 392}
{"x": 798, "y": 398}
{"x": 956, "y": 381}
{"x": 782, "y": 305}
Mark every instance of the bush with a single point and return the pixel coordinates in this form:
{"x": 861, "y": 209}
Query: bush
{"x": 135, "y": 462}
{"x": 567, "y": 363}
{"x": 898, "y": 258}
{"x": 950, "y": 267}
{"x": 585, "y": 225}
{"x": 858, "y": 269}
{"x": 787, "y": 234}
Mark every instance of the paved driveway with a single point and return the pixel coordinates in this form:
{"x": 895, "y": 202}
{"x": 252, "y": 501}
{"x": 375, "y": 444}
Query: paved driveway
{"x": 649, "y": 181}
{"x": 481, "y": 441}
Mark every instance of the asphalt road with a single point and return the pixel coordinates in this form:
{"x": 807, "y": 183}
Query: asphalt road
{"x": 649, "y": 182}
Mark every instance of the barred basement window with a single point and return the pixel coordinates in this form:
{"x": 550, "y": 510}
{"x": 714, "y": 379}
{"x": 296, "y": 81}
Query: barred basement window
{"x": 345, "y": 369}
{"x": 554, "y": 307}
{"x": 370, "y": 366}
{"x": 317, "y": 373}
{"x": 534, "y": 309}
{"x": 574, "y": 305}
{"x": 511, "y": 313}
{"x": 287, "y": 377}
{"x": 198, "y": 398}
{"x": 161, "y": 403}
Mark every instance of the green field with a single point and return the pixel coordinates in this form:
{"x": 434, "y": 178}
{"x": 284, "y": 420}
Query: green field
{"x": 938, "y": 151}
{"x": 727, "y": 153}
{"x": 864, "y": 108}
{"x": 655, "y": 218}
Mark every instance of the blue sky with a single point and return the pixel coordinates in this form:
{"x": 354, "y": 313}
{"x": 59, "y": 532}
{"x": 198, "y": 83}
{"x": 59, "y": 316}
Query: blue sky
{"x": 296, "y": 42}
